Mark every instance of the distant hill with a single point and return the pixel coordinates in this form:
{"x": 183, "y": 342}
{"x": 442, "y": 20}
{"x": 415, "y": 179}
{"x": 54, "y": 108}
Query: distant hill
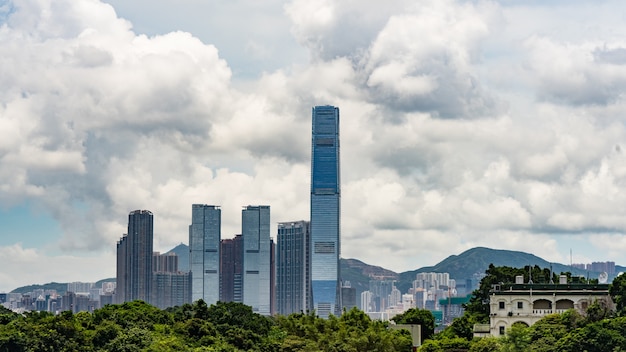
{"x": 460, "y": 267}
{"x": 60, "y": 287}
{"x": 359, "y": 274}
{"x": 477, "y": 260}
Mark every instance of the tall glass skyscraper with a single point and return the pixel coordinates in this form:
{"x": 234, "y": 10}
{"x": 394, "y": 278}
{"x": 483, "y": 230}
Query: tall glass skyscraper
{"x": 293, "y": 267}
{"x": 134, "y": 259}
{"x": 255, "y": 231}
{"x": 325, "y": 211}
{"x": 204, "y": 252}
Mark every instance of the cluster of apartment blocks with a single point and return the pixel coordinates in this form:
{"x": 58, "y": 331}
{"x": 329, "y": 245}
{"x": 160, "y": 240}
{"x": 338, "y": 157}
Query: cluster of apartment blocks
{"x": 238, "y": 269}
{"x": 146, "y": 275}
{"x": 252, "y": 269}
{"x": 249, "y": 268}
{"x": 436, "y": 292}
{"x": 607, "y": 267}
{"x": 78, "y": 297}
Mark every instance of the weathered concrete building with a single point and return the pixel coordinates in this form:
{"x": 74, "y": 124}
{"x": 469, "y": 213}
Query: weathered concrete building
{"x": 527, "y": 303}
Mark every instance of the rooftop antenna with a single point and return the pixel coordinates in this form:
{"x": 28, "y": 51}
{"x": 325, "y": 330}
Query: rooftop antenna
{"x": 530, "y": 274}
{"x": 570, "y": 258}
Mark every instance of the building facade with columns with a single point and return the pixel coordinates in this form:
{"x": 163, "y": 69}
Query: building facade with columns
{"x": 527, "y": 303}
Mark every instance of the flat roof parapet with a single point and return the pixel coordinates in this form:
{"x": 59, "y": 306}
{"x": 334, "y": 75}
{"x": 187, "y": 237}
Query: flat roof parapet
{"x": 503, "y": 288}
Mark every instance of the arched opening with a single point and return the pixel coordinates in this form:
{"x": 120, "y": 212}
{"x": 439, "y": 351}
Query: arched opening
{"x": 564, "y": 304}
{"x": 542, "y": 304}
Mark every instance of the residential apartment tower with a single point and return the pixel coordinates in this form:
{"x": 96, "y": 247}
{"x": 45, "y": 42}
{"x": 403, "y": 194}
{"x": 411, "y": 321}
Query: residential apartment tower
{"x": 134, "y": 259}
{"x": 293, "y": 267}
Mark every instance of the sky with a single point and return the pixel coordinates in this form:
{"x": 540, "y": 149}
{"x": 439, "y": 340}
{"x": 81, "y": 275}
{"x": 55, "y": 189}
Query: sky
{"x": 463, "y": 124}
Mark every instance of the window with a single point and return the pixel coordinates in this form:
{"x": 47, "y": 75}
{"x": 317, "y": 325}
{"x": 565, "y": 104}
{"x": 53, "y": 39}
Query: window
{"x": 324, "y": 247}
{"x": 502, "y": 330}
{"x": 324, "y": 142}
{"x": 501, "y": 305}
{"x": 520, "y": 305}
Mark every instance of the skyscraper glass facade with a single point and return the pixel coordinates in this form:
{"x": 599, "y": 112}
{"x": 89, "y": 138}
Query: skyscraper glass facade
{"x": 255, "y": 231}
{"x": 325, "y": 211}
{"x": 204, "y": 252}
{"x": 293, "y": 265}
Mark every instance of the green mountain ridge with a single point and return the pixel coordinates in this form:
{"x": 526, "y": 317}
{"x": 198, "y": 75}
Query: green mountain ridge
{"x": 358, "y": 274}
{"x": 60, "y": 287}
{"x": 477, "y": 260}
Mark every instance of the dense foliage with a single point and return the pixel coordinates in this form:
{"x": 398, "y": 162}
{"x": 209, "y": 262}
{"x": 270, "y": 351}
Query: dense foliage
{"x": 422, "y": 317}
{"x": 137, "y": 326}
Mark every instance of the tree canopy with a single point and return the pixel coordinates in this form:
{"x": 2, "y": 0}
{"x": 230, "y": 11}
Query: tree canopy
{"x": 423, "y": 317}
{"x": 138, "y": 326}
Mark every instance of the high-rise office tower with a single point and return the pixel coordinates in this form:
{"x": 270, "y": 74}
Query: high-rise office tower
{"x": 204, "y": 252}
{"x": 293, "y": 267}
{"x": 134, "y": 259}
{"x": 231, "y": 270}
{"x": 255, "y": 231}
{"x": 325, "y": 211}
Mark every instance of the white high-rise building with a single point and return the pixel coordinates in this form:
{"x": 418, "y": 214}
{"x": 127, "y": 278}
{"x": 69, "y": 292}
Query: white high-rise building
{"x": 395, "y": 297}
{"x": 366, "y": 301}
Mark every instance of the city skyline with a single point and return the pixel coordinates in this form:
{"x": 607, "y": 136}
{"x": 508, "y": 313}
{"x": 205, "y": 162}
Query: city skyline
{"x": 494, "y": 123}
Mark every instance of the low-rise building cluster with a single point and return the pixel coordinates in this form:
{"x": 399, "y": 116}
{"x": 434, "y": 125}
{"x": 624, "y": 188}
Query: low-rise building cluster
{"x": 77, "y": 297}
